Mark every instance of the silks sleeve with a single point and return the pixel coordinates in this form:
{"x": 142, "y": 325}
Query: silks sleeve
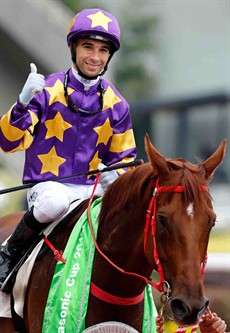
{"x": 16, "y": 129}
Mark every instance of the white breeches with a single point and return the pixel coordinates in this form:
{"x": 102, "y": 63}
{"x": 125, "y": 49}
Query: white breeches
{"x": 51, "y": 200}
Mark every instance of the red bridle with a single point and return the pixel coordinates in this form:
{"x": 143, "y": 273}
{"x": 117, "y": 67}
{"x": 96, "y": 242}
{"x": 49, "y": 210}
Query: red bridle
{"x": 151, "y": 223}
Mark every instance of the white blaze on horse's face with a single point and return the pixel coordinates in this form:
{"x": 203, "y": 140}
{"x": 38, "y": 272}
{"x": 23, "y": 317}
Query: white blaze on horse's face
{"x": 190, "y": 210}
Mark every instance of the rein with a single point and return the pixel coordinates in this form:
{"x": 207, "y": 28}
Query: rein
{"x": 94, "y": 290}
{"x": 101, "y": 295}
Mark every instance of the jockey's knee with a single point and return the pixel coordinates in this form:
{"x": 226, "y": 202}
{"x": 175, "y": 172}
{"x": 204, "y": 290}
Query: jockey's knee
{"x": 50, "y": 205}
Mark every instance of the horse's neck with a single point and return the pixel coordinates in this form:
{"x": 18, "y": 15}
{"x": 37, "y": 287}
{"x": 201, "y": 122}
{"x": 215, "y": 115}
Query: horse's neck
{"x": 121, "y": 240}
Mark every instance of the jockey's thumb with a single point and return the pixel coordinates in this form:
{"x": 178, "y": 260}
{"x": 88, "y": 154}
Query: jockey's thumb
{"x": 34, "y": 85}
{"x": 33, "y": 68}
{"x": 101, "y": 166}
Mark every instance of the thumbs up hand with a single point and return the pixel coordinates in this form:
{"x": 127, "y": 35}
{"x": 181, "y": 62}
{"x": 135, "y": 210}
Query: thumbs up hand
{"x": 34, "y": 85}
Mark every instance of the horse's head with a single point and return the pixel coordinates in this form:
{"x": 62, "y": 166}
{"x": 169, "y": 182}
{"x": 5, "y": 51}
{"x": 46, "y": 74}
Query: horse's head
{"x": 184, "y": 219}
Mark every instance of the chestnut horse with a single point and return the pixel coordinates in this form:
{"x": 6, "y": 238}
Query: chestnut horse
{"x": 174, "y": 194}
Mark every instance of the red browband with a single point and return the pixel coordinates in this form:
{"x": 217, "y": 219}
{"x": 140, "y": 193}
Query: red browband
{"x": 177, "y": 189}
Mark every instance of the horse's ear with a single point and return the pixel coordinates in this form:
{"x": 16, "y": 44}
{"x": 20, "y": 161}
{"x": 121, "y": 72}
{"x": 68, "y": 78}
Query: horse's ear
{"x": 157, "y": 161}
{"x": 212, "y": 163}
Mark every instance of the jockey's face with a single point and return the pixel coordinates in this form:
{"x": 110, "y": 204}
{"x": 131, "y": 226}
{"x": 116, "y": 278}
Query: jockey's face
{"x": 91, "y": 56}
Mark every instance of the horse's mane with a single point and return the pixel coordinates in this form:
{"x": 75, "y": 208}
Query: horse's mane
{"x": 131, "y": 185}
{"x": 138, "y": 184}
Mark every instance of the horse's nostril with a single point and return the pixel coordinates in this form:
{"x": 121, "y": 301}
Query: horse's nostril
{"x": 179, "y": 308}
{"x": 202, "y": 310}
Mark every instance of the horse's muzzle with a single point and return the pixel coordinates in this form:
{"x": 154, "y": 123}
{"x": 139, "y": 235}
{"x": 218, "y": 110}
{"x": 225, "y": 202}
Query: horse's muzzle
{"x": 188, "y": 312}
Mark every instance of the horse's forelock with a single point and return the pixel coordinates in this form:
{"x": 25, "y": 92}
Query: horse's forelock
{"x": 191, "y": 177}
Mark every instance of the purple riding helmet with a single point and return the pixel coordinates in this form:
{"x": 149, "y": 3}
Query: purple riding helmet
{"x": 94, "y": 24}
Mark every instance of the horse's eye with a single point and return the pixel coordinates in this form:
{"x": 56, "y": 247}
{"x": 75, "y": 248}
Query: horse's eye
{"x": 214, "y": 222}
{"x": 162, "y": 221}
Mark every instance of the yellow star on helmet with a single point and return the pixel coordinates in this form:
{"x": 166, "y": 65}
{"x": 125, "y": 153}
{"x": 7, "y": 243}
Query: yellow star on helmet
{"x": 100, "y": 20}
{"x": 51, "y": 162}
{"x": 56, "y": 127}
{"x": 71, "y": 24}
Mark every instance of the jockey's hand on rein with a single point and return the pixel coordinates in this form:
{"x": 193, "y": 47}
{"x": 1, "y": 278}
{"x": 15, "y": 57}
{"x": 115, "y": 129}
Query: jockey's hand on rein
{"x": 34, "y": 85}
{"x": 107, "y": 177}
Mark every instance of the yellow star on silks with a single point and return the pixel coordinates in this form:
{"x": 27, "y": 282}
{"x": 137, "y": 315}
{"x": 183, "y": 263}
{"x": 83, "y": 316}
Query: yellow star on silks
{"x": 57, "y": 93}
{"x": 100, "y": 20}
{"x": 51, "y": 162}
{"x": 104, "y": 132}
{"x": 56, "y": 127}
{"x": 93, "y": 165}
{"x": 110, "y": 99}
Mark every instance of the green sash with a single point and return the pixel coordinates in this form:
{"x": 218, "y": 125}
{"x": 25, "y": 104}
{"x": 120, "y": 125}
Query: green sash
{"x": 67, "y": 301}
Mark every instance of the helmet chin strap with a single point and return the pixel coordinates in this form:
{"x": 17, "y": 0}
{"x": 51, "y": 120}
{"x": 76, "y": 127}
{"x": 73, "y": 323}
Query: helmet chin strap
{"x": 73, "y": 57}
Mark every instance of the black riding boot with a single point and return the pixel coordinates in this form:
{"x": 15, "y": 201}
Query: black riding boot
{"x": 20, "y": 241}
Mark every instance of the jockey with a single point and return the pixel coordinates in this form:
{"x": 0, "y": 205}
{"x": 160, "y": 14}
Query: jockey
{"x": 68, "y": 123}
